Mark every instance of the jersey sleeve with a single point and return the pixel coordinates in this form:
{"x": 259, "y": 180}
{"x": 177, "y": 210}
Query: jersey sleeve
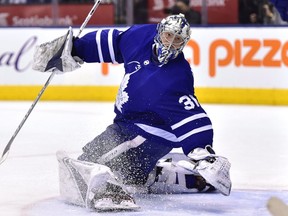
{"x": 192, "y": 126}
{"x": 99, "y": 46}
{"x": 189, "y": 123}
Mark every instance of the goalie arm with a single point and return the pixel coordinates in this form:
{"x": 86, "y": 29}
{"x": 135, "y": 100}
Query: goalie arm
{"x": 99, "y": 46}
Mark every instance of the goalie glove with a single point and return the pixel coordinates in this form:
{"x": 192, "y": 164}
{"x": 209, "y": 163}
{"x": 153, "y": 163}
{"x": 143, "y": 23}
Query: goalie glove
{"x": 213, "y": 168}
{"x": 56, "y": 55}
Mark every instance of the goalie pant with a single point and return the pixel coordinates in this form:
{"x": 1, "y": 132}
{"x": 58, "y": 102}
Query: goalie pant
{"x": 133, "y": 158}
{"x": 95, "y": 187}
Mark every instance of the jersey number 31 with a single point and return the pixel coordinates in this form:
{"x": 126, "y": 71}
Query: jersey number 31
{"x": 189, "y": 102}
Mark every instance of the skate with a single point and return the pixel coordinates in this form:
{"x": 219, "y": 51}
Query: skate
{"x": 114, "y": 199}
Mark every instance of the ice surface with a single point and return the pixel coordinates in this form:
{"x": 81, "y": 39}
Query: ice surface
{"x": 240, "y": 202}
{"x": 254, "y": 138}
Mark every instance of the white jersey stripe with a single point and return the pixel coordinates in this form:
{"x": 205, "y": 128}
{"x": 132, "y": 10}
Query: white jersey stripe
{"x": 110, "y": 45}
{"x": 158, "y": 132}
{"x": 197, "y": 130}
{"x": 189, "y": 119}
{"x": 98, "y": 42}
{"x": 170, "y": 136}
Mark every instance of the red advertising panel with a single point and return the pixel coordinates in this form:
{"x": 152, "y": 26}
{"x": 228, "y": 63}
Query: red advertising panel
{"x": 219, "y": 11}
{"x": 43, "y": 15}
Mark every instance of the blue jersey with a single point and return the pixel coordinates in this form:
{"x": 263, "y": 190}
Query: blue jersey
{"x": 157, "y": 102}
{"x": 282, "y": 7}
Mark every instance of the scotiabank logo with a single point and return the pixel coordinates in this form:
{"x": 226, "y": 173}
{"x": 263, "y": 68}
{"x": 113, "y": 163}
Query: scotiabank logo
{"x": 3, "y": 19}
{"x": 273, "y": 53}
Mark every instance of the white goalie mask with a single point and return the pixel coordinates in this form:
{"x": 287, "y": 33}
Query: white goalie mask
{"x": 173, "y": 33}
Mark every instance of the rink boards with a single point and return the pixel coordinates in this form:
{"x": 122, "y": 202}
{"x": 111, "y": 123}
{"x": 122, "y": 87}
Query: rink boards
{"x": 230, "y": 64}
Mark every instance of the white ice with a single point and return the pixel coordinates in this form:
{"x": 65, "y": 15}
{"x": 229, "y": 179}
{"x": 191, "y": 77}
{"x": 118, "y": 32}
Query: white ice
{"x": 253, "y": 138}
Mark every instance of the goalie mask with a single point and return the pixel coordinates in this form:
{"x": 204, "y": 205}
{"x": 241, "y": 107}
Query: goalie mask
{"x": 172, "y": 35}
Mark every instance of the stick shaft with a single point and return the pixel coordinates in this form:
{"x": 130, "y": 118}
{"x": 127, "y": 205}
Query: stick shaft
{"x": 93, "y": 9}
{"x": 6, "y": 150}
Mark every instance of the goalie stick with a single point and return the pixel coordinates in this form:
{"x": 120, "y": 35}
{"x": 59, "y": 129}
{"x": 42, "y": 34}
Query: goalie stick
{"x": 277, "y": 207}
{"x": 8, "y": 146}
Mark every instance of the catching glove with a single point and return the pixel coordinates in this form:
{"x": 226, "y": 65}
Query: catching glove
{"x": 56, "y": 55}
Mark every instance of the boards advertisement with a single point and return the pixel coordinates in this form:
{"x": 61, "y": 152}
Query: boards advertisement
{"x": 45, "y": 15}
{"x": 230, "y": 65}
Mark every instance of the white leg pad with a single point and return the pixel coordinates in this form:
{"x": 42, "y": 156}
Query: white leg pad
{"x": 217, "y": 174}
{"x": 80, "y": 180}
